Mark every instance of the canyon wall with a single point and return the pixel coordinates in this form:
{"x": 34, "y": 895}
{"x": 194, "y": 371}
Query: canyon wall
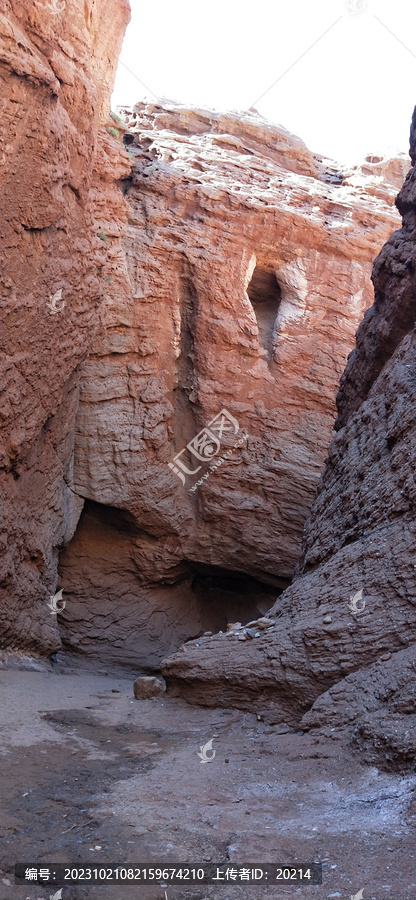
{"x": 232, "y": 300}
{"x": 343, "y": 631}
{"x": 58, "y": 164}
{"x": 177, "y": 311}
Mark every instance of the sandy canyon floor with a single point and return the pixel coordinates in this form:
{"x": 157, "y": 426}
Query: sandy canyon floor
{"x": 92, "y": 775}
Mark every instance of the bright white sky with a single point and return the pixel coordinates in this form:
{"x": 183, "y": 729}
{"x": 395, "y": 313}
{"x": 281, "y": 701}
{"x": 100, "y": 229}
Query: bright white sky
{"x": 352, "y": 93}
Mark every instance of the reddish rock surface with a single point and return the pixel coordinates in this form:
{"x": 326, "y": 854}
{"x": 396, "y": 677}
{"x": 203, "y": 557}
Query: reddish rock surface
{"x": 352, "y": 602}
{"x": 57, "y": 71}
{"x": 238, "y": 284}
{"x": 128, "y": 328}
{"x": 221, "y": 267}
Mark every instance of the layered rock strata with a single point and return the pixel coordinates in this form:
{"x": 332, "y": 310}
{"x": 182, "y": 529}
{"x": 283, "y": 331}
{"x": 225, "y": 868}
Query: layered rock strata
{"x": 377, "y": 704}
{"x": 232, "y": 302}
{"x": 196, "y": 295}
{"x": 351, "y": 605}
{"x": 58, "y": 164}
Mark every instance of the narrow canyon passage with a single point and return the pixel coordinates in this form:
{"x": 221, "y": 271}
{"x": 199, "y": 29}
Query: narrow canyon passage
{"x": 207, "y": 459}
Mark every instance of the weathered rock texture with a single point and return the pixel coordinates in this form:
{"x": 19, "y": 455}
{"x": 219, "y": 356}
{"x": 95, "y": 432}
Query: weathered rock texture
{"x": 146, "y": 687}
{"x": 352, "y": 602}
{"x": 238, "y": 285}
{"x": 57, "y": 171}
{"x": 379, "y": 702}
{"x": 231, "y": 275}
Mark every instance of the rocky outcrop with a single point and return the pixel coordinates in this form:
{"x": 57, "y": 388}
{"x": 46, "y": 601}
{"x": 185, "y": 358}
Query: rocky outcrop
{"x": 232, "y": 303}
{"x": 57, "y": 169}
{"x": 379, "y": 702}
{"x": 202, "y": 282}
{"x": 352, "y": 602}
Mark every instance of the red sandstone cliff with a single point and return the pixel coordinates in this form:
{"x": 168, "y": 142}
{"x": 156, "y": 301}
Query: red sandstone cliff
{"x": 238, "y": 285}
{"x": 350, "y": 610}
{"x": 56, "y": 70}
{"x": 221, "y": 266}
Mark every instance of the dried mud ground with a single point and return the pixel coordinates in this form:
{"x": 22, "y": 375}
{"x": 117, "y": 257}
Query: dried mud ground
{"x": 91, "y": 775}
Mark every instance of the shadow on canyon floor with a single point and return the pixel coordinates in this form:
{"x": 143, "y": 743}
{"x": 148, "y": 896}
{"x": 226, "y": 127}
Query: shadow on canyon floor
{"x": 91, "y": 775}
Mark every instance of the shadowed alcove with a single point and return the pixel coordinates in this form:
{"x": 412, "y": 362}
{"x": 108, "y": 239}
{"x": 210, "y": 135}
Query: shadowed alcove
{"x": 265, "y": 296}
{"x": 121, "y": 609}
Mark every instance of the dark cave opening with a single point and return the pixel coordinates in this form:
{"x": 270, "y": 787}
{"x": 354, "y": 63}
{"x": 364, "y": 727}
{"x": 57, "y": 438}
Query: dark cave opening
{"x": 265, "y": 297}
{"x": 127, "y": 606}
{"x": 230, "y": 596}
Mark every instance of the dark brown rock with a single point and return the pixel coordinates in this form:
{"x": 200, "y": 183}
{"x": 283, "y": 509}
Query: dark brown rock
{"x": 147, "y": 686}
{"x": 379, "y": 702}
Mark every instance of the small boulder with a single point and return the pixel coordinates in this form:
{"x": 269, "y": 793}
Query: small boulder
{"x": 148, "y": 686}
{"x": 265, "y": 622}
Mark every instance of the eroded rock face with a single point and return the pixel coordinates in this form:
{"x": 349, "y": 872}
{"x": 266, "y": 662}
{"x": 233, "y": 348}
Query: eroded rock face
{"x": 237, "y": 286}
{"x": 352, "y": 602}
{"x": 57, "y": 164}
{"x": 379, "y": 702}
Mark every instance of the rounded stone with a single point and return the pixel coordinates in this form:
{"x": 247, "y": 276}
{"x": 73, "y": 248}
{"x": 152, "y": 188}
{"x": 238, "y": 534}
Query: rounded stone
{"x": 147, "y": 686}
